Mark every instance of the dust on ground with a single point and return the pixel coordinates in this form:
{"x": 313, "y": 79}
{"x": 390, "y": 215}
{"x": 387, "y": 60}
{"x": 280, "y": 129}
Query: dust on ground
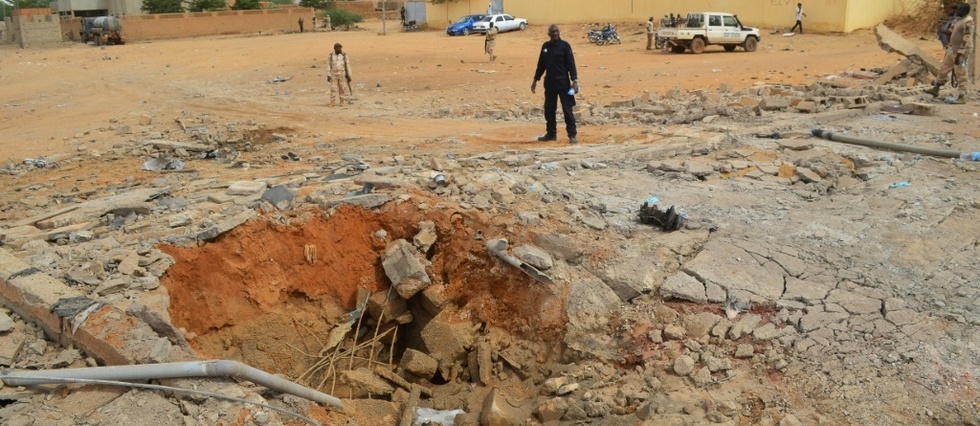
{"x": 257, "y": 294}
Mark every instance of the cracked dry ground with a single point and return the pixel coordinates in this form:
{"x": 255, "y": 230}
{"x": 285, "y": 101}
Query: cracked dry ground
{"x": 863, "y": 295}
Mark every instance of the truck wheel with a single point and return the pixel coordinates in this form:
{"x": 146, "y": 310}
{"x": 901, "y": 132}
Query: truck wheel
{"x": 750, "y": 44}
{"x": 677, "y": 48}
{"x": 730, "y": 47}
{"x": 697, "y": 45}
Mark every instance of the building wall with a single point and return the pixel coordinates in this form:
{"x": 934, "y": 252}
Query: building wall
{"x": 822, "y": 15}
{"x": 178, "y": 25}
{"x": 34, "y": 27}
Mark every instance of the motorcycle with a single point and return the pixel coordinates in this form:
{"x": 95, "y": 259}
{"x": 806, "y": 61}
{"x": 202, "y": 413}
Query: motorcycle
{"x": 607, "y": 35}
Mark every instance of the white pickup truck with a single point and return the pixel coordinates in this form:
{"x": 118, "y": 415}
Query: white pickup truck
{"x": 702, "y": 29}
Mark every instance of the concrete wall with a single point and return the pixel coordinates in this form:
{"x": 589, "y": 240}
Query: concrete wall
{"x": 33, "y": 28}
{"x": 177, "y": 25}
{"x": 822, "y": 15}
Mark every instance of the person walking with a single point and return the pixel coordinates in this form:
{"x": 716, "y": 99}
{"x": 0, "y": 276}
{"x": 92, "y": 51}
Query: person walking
{"x": 799, "y": 18}
{"x": 955, "y": 59}
{"x": 557, "y": 64}
{"x": 650, "y": 34}
{"x": 339, "y": 75}
{"x": 300, "y": 24}
{"x": 491, "y": 41}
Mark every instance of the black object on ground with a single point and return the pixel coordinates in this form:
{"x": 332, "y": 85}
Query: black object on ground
{"x": 669, "y": 220}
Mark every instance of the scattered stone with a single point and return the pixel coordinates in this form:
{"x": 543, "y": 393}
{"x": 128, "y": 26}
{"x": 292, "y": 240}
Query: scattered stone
{"x": 534, "y": 256}
{"x": 685, "y": 287}
{"x": 497, "y": 411}
{"x": 246, "y": 187}
{"x": 279, "y": 196}
{"x": 6, "y": 323}
{"x": 744, "y": 351}
{"x": 683, "y": 365}
{"x": 368, "y": 381}
{"x": 426, "y": 236}
{"x": 702, "y": 377}
{"x": 404, "y": 269}
{"x": 419, "y": 363}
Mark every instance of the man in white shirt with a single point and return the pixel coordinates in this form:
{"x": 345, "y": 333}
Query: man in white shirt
{"x": 799, "y": 18}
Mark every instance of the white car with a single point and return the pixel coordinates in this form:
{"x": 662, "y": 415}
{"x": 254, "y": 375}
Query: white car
{"x": 502, "y": 21}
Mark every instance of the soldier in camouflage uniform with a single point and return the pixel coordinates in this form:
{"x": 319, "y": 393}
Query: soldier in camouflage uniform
{"x": 960, "y": 45}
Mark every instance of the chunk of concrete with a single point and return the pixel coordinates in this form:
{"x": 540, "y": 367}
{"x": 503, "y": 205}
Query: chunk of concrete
{"x": 419, "y": 363}
{"x": 447, "y": 340}
{"x": 497, "y": 411}
{"x": 279, "y": 196}
{"x": 404, "y": 269}
{"x": 368, "y": 381}
{"x": 685, "y": 287}
{"x": 367, "y": 201}
{"x": 393, "y": 306}
{"x": 426, "y": 236}
{"x": 534, "y": 256}
{"x": 890, "y": 41}
{"x": 246, "y": 187}
{"x": 225, "y": 225}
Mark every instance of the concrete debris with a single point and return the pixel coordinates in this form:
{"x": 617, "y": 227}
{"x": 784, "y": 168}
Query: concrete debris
{"x": 891, "y": 41}
{"x": 405, "y": 269}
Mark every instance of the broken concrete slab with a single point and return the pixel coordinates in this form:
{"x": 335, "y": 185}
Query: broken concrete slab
{"x": 246, "y": 187}
{"x": 226, "y": 225}
{"x": 367, "y": 381}
{"x": 367, "y": 201}
{"x": 497, "y": 411}
{"x": 731, "y": 267}
{"x": 891, "y": 41}
{"x": 685, "y": 287}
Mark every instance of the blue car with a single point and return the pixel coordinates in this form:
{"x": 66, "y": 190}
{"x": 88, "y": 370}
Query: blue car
{"x": 463, "y": 25}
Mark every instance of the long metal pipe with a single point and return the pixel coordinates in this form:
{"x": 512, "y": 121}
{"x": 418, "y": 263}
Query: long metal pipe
{"x": 172, "y": 370}
{"x": 831, "y": 136}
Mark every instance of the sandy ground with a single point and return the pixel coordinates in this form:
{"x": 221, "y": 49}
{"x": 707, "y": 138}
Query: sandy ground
{"x": 411, "y": 89}
{"x": 54, "y": 96}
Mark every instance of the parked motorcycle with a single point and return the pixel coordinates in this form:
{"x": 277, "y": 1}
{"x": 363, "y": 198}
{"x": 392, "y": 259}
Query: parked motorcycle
{"x": 607, "y": 35}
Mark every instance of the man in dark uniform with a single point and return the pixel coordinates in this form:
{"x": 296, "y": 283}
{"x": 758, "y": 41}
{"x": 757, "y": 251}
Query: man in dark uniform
{"x": 560, "y": 83}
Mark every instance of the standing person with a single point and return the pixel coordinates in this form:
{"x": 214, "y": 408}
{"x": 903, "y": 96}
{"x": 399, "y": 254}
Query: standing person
{"x": 403, "y": 16}
{"x": 960, "y": 45}
{"x": 339, "y": 75}
{"x": 314, "y": 22}
{"x": 650, "y": 34}
{"x": 799, "y": 18}
{"x": 491, "y": 41}
{"x": 946, "y": 27}
{"x": 300, "y": 24}
{"x": 327, "y": 24}
{"x": 560, "y": 83}
{"x": 490, "y": 7}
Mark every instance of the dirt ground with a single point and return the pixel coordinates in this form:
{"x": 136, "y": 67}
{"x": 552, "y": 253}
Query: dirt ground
{"x": 426, "y": 93}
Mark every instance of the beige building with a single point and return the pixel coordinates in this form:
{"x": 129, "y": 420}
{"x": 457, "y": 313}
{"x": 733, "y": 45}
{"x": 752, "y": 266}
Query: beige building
{"x": 822, "y": 15}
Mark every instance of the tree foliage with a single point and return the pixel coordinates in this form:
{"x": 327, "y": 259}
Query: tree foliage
{"x": 343, "y": 18}
{"x": 207, "y": 5}
{"x": 31, "y": 4}
{"x": 316, "y": 4}
{"x": 163, "y": 6}
{"x": 247, "y": 4}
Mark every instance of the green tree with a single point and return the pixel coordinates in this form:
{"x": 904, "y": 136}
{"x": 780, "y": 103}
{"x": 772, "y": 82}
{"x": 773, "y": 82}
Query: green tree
{"x": 31, "y": 4}
{"x": 163, "y": 6}
{"x": 344, "y": 18}
{"x": 247, "y": 4}
{"x": 316, "y": 4}
{"x": 207, "y": 5}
